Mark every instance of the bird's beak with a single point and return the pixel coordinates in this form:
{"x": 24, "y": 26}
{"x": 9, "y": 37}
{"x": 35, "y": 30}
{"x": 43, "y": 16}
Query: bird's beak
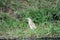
{"x": 26, "y": 18}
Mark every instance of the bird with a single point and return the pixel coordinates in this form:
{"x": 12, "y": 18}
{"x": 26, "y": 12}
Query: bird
{"x": 31, "y": 23}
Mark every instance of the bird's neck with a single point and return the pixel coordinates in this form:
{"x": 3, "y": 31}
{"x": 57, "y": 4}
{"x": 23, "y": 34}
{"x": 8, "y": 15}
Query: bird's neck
{"x": 29, "y": 20}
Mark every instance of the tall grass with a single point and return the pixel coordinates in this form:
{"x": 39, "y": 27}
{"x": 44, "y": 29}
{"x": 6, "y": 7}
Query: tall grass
{"x": 40, "y": 11}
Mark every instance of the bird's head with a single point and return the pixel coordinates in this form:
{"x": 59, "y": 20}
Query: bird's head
{"x": 29, "y": 19}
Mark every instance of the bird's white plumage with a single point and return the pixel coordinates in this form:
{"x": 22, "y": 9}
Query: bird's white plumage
{"x": 31, "y": 23}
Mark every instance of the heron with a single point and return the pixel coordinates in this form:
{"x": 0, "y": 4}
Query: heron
{"x": 31, "y": 23}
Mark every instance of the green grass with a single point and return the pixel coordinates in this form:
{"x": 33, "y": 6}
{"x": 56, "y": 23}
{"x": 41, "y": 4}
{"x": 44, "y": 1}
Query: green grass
{"x": 39, "y": 10}
{"x": 13, "y": 27}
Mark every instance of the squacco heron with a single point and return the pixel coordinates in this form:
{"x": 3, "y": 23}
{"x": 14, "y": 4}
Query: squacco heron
{"x": 31, "y": 23}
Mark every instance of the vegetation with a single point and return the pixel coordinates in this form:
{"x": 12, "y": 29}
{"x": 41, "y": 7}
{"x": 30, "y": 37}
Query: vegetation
{"x": 44, "y": 13}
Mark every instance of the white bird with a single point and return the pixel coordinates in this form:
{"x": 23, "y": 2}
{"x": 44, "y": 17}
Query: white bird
{"x": 31, "y": 23}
